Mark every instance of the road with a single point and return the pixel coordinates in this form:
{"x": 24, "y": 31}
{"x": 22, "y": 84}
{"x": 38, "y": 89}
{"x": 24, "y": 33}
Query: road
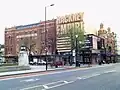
{"x": 105, "y": 77}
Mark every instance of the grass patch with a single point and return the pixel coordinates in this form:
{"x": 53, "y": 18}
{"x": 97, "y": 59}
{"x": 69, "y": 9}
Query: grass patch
{"x": 13, "y": 68}
{"x": 9, "y": 67}
{"x": 9, "y": 64}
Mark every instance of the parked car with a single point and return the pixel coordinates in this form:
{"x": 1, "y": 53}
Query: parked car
{"x": 34, "y": 62}
{"x": 31, "y": 63}
{"x": 41, "y": 62}
{"x": 57, "y": 63}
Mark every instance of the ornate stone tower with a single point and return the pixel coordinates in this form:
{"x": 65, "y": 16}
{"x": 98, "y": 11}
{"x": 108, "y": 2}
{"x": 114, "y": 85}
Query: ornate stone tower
{"x": 103, "y": 33}
{"x": 111, "y": 40}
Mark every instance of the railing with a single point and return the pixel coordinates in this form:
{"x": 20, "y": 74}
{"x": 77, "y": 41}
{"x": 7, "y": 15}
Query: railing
{"x": 67, "y": 59}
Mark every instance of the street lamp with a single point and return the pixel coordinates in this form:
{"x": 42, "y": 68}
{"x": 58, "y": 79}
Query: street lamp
{"x": 76, "y": 49}
{"x": 46, "y": 33}
{"x": 80, "y": 43}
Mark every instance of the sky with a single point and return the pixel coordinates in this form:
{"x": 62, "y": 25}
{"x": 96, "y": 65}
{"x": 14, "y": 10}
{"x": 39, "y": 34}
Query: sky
{"x": 20, "y": 12}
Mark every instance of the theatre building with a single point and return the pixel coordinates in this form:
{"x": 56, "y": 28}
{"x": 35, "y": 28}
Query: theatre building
{"x": 94, "y": 45}
{"x": 63, "y": 24}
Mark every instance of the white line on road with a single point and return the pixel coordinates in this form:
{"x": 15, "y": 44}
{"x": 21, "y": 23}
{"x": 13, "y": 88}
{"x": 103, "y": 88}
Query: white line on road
{"x": 90, "y": 76}
{"x": 110, "y": 71}
{"x": 49, "y": 73}
{"x": 79, "y": 78}
{"x": 66, "y": 82}
{"x": 45, "y": 86}
{"x": 94, "y": 75}
{"x": 31, "y": 87}
{"x": 54, "y": 82}
{"x": 30, "y": 80}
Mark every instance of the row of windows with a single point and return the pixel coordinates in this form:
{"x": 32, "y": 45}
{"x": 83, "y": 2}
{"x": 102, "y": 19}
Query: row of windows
{"x": 27, "y": 35}
{"x": 47, "y": 24}
{"x": 26, "y": 32}
{"x": 9, "y": 41}
{"x": 9, "y": 50}
{"x": 51, "y": 25}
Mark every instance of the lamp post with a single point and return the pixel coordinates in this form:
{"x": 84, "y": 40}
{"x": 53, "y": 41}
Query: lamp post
{"x": 46, "y": 34}
{"x": 80, "y": 44}
{"x": 76, "y": 51}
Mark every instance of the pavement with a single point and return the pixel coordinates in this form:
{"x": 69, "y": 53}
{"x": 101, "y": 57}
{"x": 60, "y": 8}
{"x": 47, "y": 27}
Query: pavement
{"x": 35, "y": 69}
{"x": 104, "y": 77}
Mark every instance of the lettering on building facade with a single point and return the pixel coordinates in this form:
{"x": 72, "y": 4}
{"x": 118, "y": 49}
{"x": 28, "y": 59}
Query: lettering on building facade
{"x": 70, "y": 18}
{"x": 64, "y": 24}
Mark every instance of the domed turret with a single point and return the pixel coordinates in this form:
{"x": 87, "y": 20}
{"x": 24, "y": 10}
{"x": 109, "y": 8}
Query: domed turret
{"x": 109, "y": 30}
{"x": 101, "y": 25}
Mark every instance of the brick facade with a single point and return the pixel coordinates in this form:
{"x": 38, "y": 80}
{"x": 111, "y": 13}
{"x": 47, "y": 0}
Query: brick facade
{"x": 10, "y": 41}
{"x": 30, "y": 35}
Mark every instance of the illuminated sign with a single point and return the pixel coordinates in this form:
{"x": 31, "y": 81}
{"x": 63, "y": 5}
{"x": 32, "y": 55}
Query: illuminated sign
{"x": 94, "y": 41}
{"x": 70, "y": 18}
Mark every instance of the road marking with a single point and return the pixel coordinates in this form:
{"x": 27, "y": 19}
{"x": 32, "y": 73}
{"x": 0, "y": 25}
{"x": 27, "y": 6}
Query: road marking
{"x": 66, "y": 82}
{"x": 71, "y": 81}
{"x": 31, "y": 87}
{"x": 110, "y": 71}
{"x": 45, "y": 86}
{"x": 30, "y": 80}
{"x": 54, "y": 82}
{"x": 58, "y": 85}
{"x": 54, "y": 72}
{"x": 96, "y": 74}
{"x": 48, "y": 73}
{"x": 79, "y": 78}
{"x": 90, "y": 76}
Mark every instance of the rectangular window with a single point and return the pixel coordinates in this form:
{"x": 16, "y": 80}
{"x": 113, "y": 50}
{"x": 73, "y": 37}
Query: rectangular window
{"x": 35, "y": 31}
{"x": 6, "y": 50}
{"x": 11, "y": 50}
{"x": 11, "y": 40}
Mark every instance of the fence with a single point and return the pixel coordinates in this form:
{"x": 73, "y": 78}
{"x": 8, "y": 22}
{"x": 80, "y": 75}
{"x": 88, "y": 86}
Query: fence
{"x": 83, "y": 58}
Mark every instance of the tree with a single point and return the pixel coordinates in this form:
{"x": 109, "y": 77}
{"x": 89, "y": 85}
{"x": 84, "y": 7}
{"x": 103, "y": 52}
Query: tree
{"x": 72, "y": 32}
{"x": 29, "y": 43}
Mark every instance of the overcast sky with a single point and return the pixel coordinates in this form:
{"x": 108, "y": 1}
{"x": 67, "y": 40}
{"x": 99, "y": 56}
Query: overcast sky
{"x": 20, "y": 12}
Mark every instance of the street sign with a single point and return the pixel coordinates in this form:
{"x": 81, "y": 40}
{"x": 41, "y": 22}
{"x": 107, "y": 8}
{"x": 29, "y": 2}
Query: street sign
{"x": 74, "y": 52}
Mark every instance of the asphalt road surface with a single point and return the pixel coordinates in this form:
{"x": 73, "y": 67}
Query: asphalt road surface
{"x": 105, "y": 77}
